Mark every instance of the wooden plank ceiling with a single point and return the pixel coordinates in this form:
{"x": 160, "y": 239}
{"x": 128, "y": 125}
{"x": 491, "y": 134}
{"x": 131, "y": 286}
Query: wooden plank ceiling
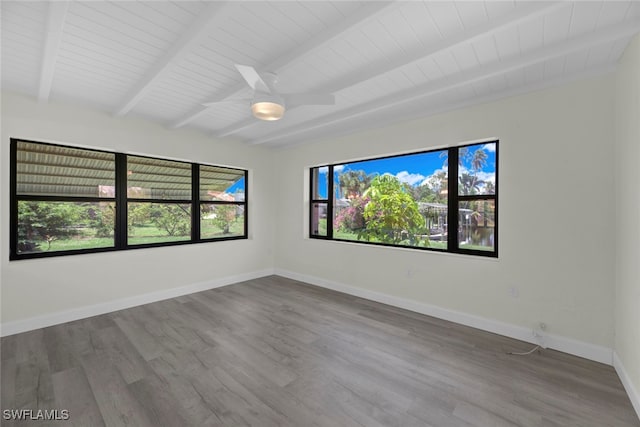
{"x": 384, "y": 61}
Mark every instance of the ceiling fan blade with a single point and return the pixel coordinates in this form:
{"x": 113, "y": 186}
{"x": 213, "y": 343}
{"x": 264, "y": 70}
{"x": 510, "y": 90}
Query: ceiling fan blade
{"x": 253, "y": 78}
{"x": 296, "y": 99}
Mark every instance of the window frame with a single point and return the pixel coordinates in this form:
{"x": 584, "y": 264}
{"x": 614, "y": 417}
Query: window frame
{"x": 151, "y": 200}
{"x": 121, "y": 201}
{"x": 330, "y": 190}
{"x": 453, "y": 201}
{"x": 195, "y": 188}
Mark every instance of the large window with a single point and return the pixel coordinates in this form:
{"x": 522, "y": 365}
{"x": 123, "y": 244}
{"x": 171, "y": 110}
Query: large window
{"x": 67, "y": 200}
{"x": 411, "y": 201}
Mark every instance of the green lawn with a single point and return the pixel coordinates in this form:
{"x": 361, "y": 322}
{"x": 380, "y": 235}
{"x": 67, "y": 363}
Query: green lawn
{"x": 150, "y": 234}
{"x": 140, "y": 235}
{"x": 346, "y": 235}
{"x": 83, "y": 242}
{"x": 209, "y": 231}
{"x": 476, "y": 247}
{"x": 434, "y": 244}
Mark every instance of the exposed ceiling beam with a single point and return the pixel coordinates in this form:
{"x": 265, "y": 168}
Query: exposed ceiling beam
{"x": 443, "y": 108}
{"x": 401, "y": 58}
{"x": 193, "y": 35}
{"x": 367, "y": 12}
{"x": 52, "y": 38}
{"x": 453, "y": 81}
{"x": 235, "y": 127}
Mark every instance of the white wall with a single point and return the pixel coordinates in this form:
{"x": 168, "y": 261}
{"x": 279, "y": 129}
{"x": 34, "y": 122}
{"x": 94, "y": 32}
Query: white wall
{"x": 627, "y": 306}
{"x": 556, "y": 213}
{"x": 39, "y": 287}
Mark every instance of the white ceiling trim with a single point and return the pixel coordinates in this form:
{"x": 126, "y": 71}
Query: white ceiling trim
{"x": 366, "y": 13}
{"x": 605, "y": 35}
{"x": 420, "y": 53}
{"x": 52, "y": 37}
{"x": 194, "y": 34}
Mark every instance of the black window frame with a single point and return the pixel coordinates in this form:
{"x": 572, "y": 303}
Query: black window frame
{"x": 453, "y": 201}
{"x": 121, "y": 201}
{"x": 196, "y": 195}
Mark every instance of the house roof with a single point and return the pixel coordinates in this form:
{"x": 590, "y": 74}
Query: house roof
{"x": 63, "y": 171}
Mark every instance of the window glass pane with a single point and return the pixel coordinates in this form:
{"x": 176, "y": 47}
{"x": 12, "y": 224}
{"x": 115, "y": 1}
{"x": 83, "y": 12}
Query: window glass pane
{"x": 158, "y": 179}
{"x": 476, "y": 225}
{"x": 399, "y": 200}
{"x": 477, "y": 169}
{"x": 320, "y": 183}
{"x": 223, "y": 184}
{"x": 435, "y": 215}
{"x": 61, "y": 226}
{"x": 50, "y": 170}
{"x": 318, "y": 219}
{"x": 158, "y": 222}
{"x": 220, "y": 221}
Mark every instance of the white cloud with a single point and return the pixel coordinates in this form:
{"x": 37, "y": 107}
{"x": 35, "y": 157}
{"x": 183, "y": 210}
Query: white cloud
{"x": 490, "y": 147}
{"x": 487, "y": 177}
{"x": 323, "y": 169}
{"x": 338, "y": 168}
{"x": 482, "y": 176}
{"x": 410, "y": 178}
{"x": 426, "y": 180}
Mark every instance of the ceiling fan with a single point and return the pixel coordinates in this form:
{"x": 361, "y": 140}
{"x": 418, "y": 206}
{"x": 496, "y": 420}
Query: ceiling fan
{"x": 269, "y": 104}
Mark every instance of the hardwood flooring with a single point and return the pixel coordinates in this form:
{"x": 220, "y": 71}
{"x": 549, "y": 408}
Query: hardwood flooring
{"x": 276, "y": 352}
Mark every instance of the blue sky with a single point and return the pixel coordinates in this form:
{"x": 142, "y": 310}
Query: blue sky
{"x": 417, "y": 168}
{"x": 238, "y": 185}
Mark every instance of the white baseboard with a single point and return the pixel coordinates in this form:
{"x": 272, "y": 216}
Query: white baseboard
{"x": 632, "y": 391}
{"x": 564, "y": 344}
{"x": 567, "y": 345}
{"x": 18, "y": 326}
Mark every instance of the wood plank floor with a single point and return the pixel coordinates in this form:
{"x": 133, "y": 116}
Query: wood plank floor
{"x": 276, "y": 352}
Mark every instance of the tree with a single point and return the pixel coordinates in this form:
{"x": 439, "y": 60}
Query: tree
{"x": 391, "y": 214}
{"x": 420, "y": 193}
{"x": 479, "y": 160}
{"x": 463, "y": 153}
{"x": 469, "y": 184}
{"x": 225, "y": 216}
{"x": 138, "y": 213}
{"x": 172, "y": 218}
{"x": 104, "y": 220}
{"x": 353, "y": 183}
{"x": 47, "y": 221}
{"x": 351, "y": 218}
{"x": 434, "y": 190}
{"x": 489, "y": 187}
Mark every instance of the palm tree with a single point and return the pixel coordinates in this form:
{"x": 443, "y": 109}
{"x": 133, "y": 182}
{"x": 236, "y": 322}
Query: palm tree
{"x": 354, "y": 183}
{"x": 463, "y": 152}
{"x": 469, "y": 184}
{"x": 479, "y": 160}
{"x": 489, "y": 188}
